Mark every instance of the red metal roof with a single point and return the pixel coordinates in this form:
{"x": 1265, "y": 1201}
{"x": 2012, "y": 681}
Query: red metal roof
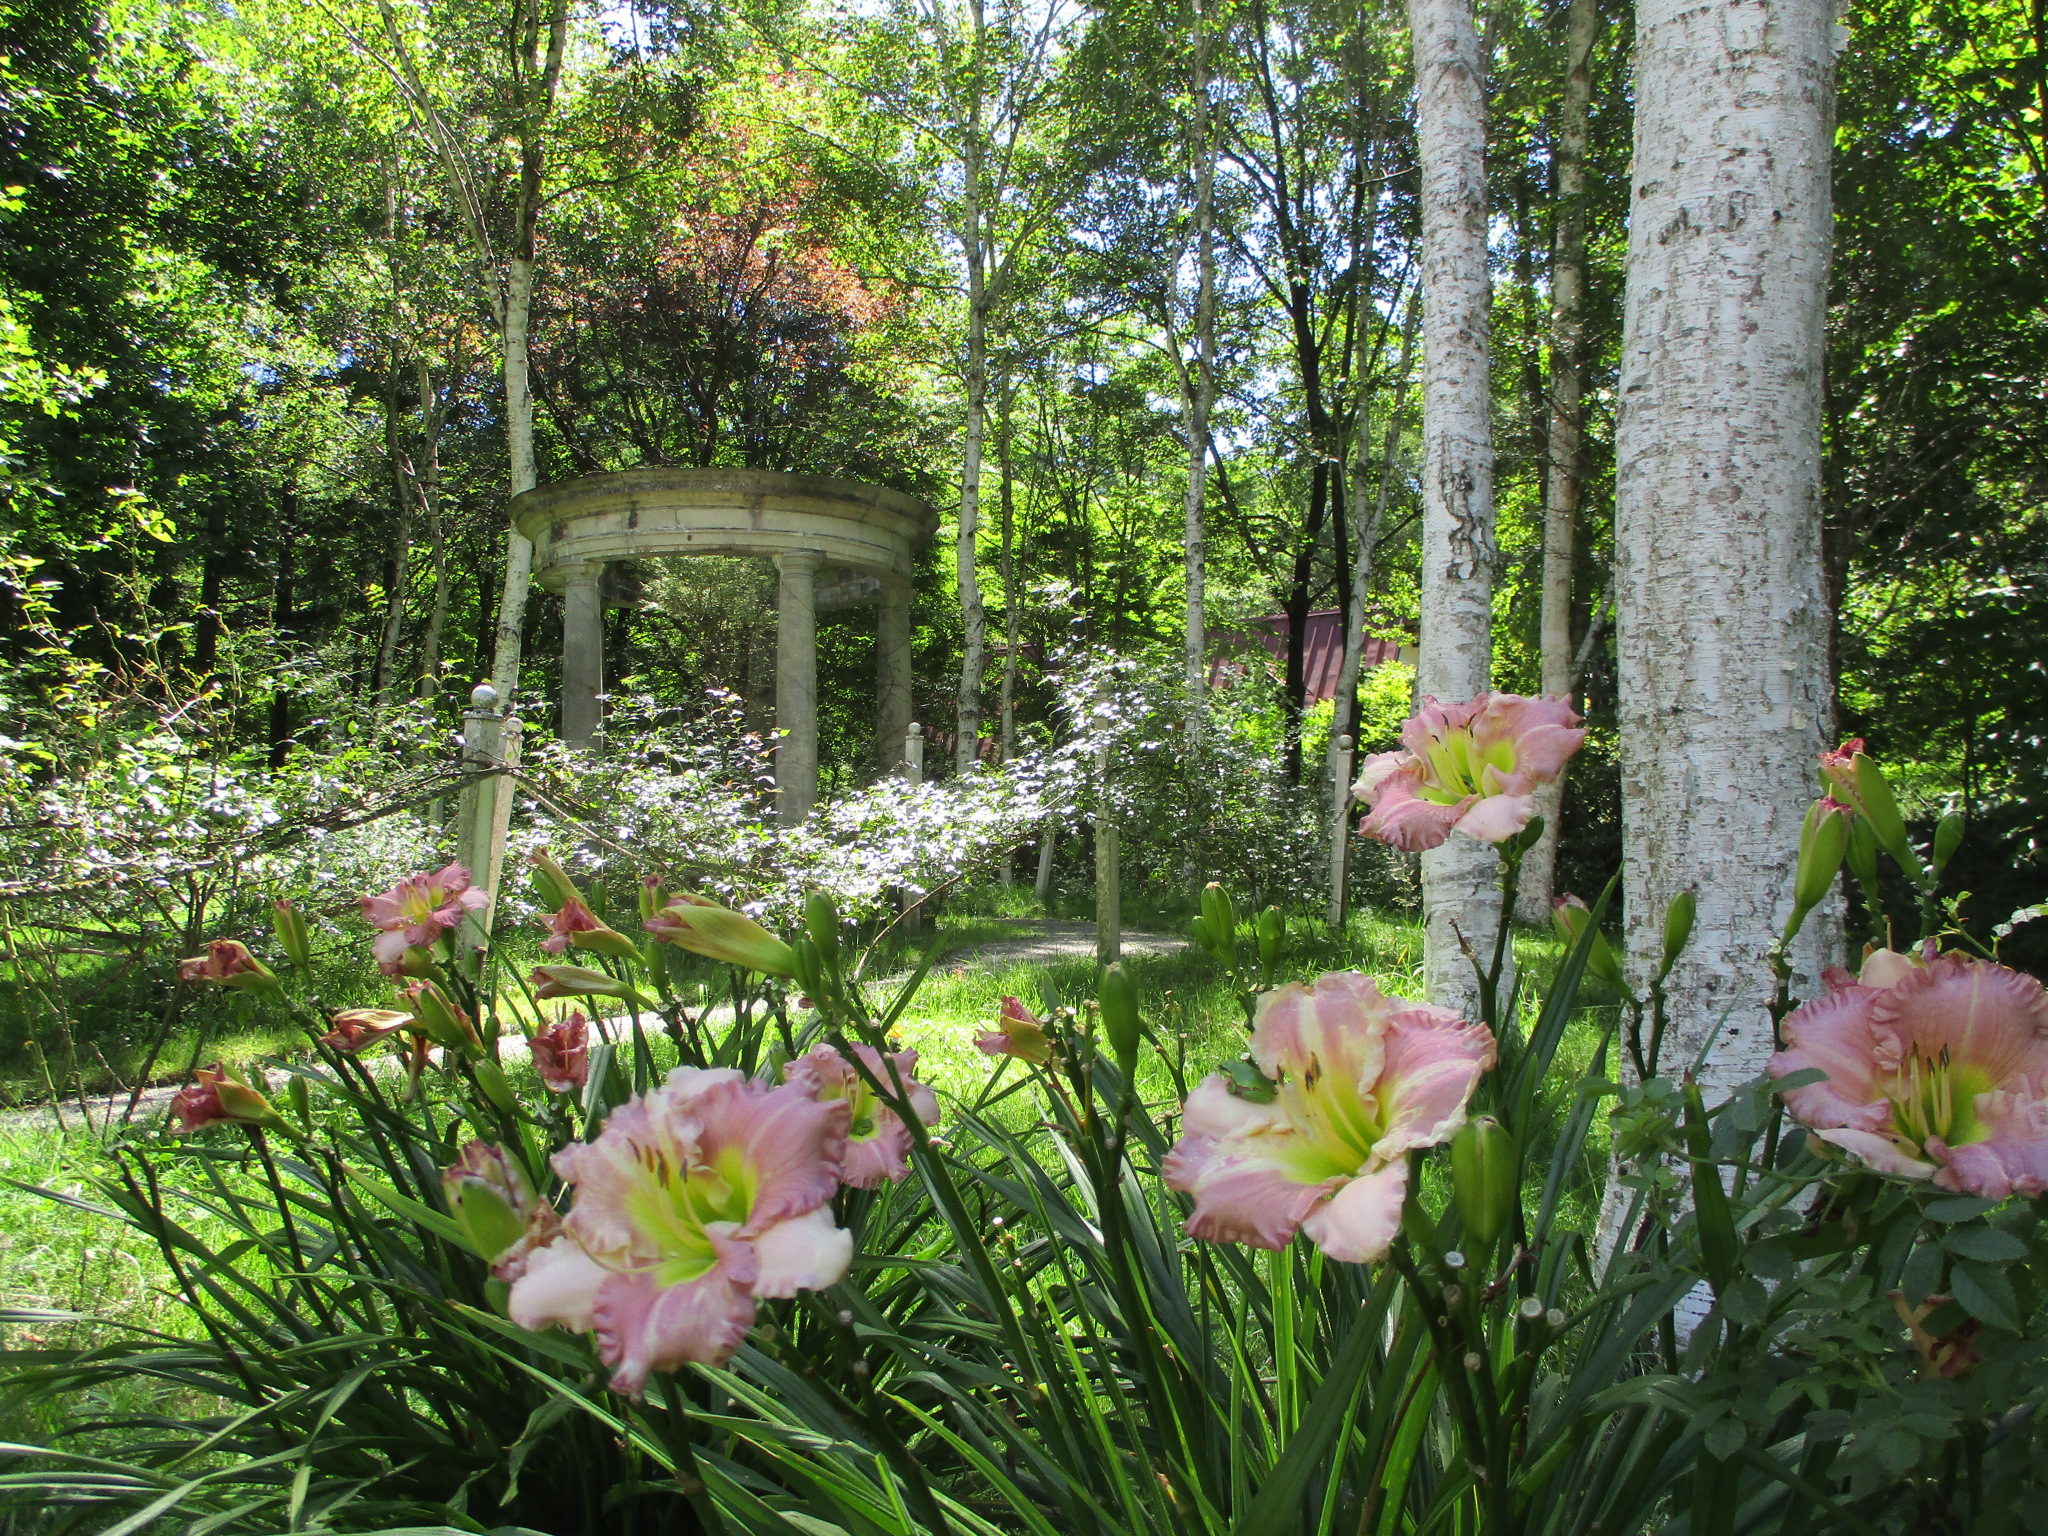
{"x": 1322, "y": 651}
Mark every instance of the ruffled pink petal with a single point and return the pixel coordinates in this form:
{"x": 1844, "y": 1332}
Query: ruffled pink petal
{"x": 880, "y": 1158}
{"x": 1834, "y": 1034}
{"x": 390, "y": 946}
{"x": 1402, "y": 819}
{"x": 1496, "y": 818}
{"x": 1433, "y": 1061}
{"x": 1358, "y": 1224}
{"x": 560, "y": 1286}
{"x": 1377, "y": 769}
{"x": 1213, "y": 1111}
{"x": 1541, "y": 732}
{"x": 805, "y": 1253}
{"x": 1985, "y": 1015}
{"x": 1880, "y": 1152}
{"x": 1433, "y": 721}
{"x": 643, "y": 1326}
{"x": 1230, "y": 1160}
{"x": 995, "y": 1043}
{"x": 1334, "y": 1027}
{"x": 1240, "y": 1197}
{"x": 2013, "y": 1157}
{"x": 792, "y": 1143}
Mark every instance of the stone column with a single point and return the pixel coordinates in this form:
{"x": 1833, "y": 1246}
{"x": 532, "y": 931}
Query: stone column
{"x": 892, "y": 673}
{"x": 582, "y": 652}
{"x": 796, "y": 684}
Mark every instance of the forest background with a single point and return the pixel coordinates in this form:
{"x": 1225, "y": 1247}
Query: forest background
{"x": 255, "y": 265}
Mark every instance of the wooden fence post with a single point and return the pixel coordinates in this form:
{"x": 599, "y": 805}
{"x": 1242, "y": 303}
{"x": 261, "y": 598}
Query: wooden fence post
{"x": 484, "y": 814}
{"x": 1340, "y": 830}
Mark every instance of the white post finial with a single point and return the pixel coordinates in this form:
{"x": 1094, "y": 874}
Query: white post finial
{"x": 483, "y": 697}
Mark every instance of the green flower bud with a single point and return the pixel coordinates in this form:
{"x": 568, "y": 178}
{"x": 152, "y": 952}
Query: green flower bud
{"x": 1272, "y": 935}
{"x": 301, "y": 1100}
{"x": 1678, "y": 920}
{"x": 1571, "y": 917}
{"x": 490, "y": 1200}
{"x": 442, "y": 1019}
{"x": 1486, "y": 1180}
{"x": 1948, "y": 837}
{"x": 821, "y": 920}
{"x": 492, "y": 1081}
{"x": 289, "y": 924}
{"x": 1221, "y": 915}
{"x": 1862, "y": 855}
{"x": 1118, "y": 996}
{"x": 704, "y": 928}
{"x": 1823, "y": 843}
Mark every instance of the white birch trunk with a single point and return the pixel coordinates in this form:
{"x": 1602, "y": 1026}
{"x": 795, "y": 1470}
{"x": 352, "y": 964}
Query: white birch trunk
{"x": 1722, "y": 616}
{"x": 1011, "y": 608}
{"x": 432, "y": 414}
{"x": 509, "y": 637}
{"x": 1202, "y": 396}
{"x": 1567, "y": 365}
{"x": 1458, "y": 551}
{"x": 973, "y": 618}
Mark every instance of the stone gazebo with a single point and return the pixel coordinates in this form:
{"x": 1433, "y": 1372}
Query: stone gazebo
{"x": 858, "y": 540}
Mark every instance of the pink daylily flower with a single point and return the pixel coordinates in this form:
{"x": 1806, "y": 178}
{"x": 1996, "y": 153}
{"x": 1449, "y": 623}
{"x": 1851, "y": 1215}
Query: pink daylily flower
{"x": 561, "y": 1054}
{"x": 1470, "y": 768}
{"x": 877, "y": 1141}
{"x": 1939, "y": 1073}
{"x": 417, "y": 911}
{"x": 1019, "y": 1033}
{"x": 1364, "y": 1080}
{"x": 357, "y": 1029}
{"x": 694, "y": 1200}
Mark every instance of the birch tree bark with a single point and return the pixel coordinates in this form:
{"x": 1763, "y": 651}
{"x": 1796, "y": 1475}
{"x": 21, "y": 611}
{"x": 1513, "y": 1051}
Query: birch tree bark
{"x": 1458, "y": 549}
{"x": 1722, "y": 616}
{"x": 1005, "y": 435}
{"x": 973, "y": 618}
{"x": 1201, "y": 397}
{"x": 1567, "y": 374}
{"x": 433, "y": 414}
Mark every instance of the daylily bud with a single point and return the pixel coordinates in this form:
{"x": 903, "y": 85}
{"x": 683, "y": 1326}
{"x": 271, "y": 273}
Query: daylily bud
{"x": 1823, "y": 841}
{"x": 491, "y": 1079}
{"x": 289, "y": 923}
{"x": 1570, "y": 916}
{"x": 575, "y": 981}
{"x": 1862, "y": 855}
{"x": 356, "y": 1029}
{"x": 1198, "y": 930}
{"x": 1678, "y": 920}
{"x": 1272, "y": 935}
{"x": 1854, "y": 779}
{"x": 1018, "y": 1033}
{"x": 709, "y": 930}
{"x": 1221, "y": 914}
{"x": 490, "y": 1200}
{"x": 821, "y": 921}
{"x": 227, "y": 963}
{"x": 1948, "y": 837}
{"x": 1118, "y": 996}
{"x": 652, "y": 897}
{"x": 301, "y": 1099}
{"x": 215, "y": 1096}
{"x": 442, "y": 1019}
{"x": 577, "y": 925}
{"x": 551, "y": 883}
{"x": 1486, "y": 1175}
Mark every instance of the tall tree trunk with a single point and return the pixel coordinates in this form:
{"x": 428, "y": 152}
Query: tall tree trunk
{"x": 398, "y": 566}
{"x": 280, "y": 724}
{"x": 545, "y": 73}
{"x": 1567, "y": 376}
{"x": 1299, "y": 596}
{"x": 1004, "y": 432}
{"x": 973, "y": 618}
{"x": 212, "y": 573}
{"x": 1201, "y": 397}
{"x": 1722, "y": 621}
{"x": 1344, "y": 722}
{"x": 1458, "y": 549}
{"x": 433, "y": 413}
